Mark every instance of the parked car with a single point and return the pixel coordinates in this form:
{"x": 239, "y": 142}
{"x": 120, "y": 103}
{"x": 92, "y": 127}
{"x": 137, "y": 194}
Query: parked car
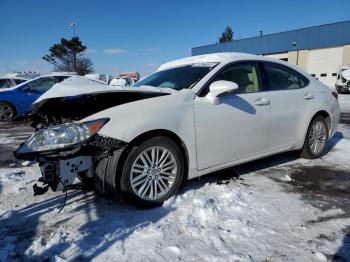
{"x": 191, "y": 117}
{"x": 102, "y": 78}
{"x": 16, "y": 101}
{"x": 343, "y": 79}
{"x": 6, "y": 82}
{"x": 122, "y": 81}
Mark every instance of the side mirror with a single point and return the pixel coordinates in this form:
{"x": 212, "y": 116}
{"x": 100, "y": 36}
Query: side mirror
{"x": 218, "y": 88}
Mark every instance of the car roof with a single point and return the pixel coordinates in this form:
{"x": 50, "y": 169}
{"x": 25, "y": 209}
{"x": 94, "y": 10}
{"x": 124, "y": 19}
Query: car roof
{"x": 208, "y": 58}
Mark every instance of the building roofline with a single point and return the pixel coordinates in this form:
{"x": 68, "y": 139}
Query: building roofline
{"x": 282, "y": 32}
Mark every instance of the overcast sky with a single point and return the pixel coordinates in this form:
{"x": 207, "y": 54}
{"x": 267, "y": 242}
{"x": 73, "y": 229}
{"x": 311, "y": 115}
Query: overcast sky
{"x": 140, "y": 35}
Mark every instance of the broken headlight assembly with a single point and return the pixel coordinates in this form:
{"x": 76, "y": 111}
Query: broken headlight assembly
{"x": 60, "y": 137}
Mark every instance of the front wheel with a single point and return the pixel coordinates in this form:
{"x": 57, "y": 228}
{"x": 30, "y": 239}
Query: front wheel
{"x": 315, "y": 144}
{"x": 153, "y": 172}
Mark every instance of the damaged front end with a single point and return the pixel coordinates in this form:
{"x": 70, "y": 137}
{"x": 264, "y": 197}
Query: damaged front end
{"x": 66, "y": 152}
{"x": 58, "y": 110}
{"x": 67, "y": 149}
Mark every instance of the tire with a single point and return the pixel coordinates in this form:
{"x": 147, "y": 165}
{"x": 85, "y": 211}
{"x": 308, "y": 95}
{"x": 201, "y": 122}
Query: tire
{"x": 7, "y": 112}
{"x": 147, "y": 180}
{"x": 315, "y": 144}
{"x": 105, "y": 179}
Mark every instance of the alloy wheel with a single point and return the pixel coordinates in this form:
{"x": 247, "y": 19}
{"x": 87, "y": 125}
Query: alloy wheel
{"x": 6, "y": 112}
{"x": 153, "y": 173}
{"x": 317, "y": 137}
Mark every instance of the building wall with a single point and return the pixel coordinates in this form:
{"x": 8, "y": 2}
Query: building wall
{"x": 346, "y": 55}
{"x": 282, "y": 56}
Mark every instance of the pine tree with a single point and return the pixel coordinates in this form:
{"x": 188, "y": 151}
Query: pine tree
{"x": 68, "y": 56}
{"x": 227, "y": 35}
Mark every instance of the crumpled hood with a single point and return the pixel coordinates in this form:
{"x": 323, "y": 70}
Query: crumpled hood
{"x": 77, "y": 86}
{"x": 77, "y": 98}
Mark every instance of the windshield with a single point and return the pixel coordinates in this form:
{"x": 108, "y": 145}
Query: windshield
{"x": 178, "y": 78}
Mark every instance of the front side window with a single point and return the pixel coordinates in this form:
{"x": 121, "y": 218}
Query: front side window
{"x": 244, "y": 74}
{"x": 283, "y": 78}
{"x": 42, "y": 85}
{"x": 177, "y": 78}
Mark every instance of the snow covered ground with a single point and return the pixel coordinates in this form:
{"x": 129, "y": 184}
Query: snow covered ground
{"x": 255, "y": 212}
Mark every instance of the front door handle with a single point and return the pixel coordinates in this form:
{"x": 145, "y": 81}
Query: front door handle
{"x": 262, "y": 102}
{"x": 308, "y": 96}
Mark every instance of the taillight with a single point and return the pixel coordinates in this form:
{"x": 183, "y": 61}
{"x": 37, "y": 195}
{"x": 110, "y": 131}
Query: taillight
{"x": 335, "y": 94}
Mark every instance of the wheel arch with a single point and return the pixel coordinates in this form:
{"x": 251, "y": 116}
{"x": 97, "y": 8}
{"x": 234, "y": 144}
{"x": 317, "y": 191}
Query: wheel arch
{"x": 326, "y": 116}
{"x": 149, "y": 134}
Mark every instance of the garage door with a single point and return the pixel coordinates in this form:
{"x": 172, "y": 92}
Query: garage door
{"x": 323, "y": 64}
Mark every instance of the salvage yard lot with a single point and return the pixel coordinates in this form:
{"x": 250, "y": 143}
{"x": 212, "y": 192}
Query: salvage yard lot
{"x": 277, "y": 208}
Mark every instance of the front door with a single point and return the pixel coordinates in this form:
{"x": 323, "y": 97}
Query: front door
{"x": 237, "y": 127}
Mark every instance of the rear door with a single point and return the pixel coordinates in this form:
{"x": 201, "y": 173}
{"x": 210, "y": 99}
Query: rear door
{"x": 290, "y": 97}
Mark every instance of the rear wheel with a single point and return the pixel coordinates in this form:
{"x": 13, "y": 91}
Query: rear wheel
{"x": 153, "y": 172}
{"x": 7, "y": 112}
{"x": 315, "y": 144}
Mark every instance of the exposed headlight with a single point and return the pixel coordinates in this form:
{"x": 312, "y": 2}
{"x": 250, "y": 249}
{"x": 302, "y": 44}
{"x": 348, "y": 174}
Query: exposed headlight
{"x": 61, "y": 136}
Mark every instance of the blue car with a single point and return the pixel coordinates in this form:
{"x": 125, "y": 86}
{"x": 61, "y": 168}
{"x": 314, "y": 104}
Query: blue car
{"x": 17, "y": 101}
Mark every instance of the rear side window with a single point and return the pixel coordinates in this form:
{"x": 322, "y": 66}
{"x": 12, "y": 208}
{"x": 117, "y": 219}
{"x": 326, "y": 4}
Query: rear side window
{"x": 280, "y": 77}
{"x": 42, "y": 85}
{"x": 18, "y": 81}
{"x": 4, "y": 83}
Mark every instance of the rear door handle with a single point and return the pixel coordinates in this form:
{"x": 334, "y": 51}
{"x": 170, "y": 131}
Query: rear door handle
{"x": 308, "y": 96}
{"x": 262, "y": 102}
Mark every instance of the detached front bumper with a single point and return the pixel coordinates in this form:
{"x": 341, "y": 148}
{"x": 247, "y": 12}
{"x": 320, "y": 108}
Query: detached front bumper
{"x": 60, "y": 167}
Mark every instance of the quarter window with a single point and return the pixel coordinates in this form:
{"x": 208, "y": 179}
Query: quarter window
{"x": 283, "y": 78}
{"x": 245, "y": 75}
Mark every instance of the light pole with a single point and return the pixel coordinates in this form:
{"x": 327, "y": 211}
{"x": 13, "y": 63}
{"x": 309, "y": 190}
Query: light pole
{"x": 74, "y": 26}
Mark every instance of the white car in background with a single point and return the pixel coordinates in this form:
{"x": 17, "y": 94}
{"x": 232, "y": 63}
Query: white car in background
{"x": 343, "y": 79}
{"x": 191, "y": 117}
{"x": 122, "y": 81}
{"x": 102, "y": 78}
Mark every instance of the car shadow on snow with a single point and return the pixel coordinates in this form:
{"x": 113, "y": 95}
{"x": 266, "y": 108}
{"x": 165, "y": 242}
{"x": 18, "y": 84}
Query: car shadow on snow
{"x": 86, "y": 227}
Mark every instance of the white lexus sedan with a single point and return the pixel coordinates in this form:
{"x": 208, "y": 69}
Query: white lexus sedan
{"x": 191, "y": 117}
